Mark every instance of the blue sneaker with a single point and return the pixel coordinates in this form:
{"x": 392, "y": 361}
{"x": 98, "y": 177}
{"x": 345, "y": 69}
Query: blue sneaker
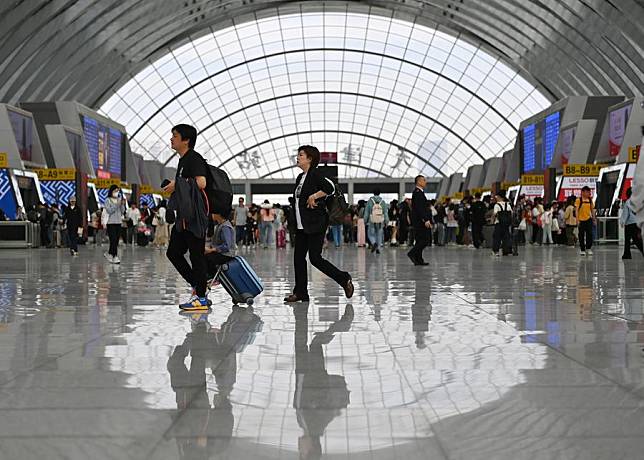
{"x": 195, "y": 303}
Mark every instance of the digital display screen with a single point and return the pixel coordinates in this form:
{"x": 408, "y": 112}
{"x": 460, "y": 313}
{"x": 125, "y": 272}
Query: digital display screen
{"x": 617, "y": 120}
{"x": 539, "y": 142}
{"x": 23, "y": 129}
{"x": 105, "y": 147}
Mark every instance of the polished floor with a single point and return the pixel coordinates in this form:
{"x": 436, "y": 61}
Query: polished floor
{"x": 530, "y": 357}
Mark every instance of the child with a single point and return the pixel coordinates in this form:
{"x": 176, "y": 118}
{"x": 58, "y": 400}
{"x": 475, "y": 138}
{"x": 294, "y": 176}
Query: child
{"x": 222, "y": 247}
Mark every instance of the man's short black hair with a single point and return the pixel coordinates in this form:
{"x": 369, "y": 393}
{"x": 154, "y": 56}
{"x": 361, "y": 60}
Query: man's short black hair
{"x": 311, "y": 152}
{"x": 188, "y": 133}
{"x": 376, "y": 191}
{"x": 417, "y": 178}
{"x": 585, "y": 188}
{"x": 477, "y": 195}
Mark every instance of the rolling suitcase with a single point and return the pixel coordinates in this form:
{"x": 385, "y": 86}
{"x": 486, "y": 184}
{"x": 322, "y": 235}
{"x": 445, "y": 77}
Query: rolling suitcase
{"x": 240, "y": 281}
{"x": 142, "y": 239}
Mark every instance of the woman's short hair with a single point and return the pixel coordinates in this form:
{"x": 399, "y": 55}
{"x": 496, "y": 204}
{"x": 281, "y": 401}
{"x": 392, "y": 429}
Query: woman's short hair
{"x": 311, "y": 152}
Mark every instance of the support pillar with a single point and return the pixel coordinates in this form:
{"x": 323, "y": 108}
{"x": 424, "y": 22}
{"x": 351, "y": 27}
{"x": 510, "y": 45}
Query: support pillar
{"x": 350, "y": 193}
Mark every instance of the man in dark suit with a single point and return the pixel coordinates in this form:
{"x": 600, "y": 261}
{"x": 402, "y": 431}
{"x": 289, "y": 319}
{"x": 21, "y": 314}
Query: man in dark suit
{"x": 420, "y": 220}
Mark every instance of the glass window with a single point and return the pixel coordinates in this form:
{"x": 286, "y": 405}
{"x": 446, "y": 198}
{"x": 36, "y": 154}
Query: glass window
{"x": 396, "y": 82}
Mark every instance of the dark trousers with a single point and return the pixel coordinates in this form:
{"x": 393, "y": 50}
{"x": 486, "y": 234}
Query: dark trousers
{"x": 113, "y": 233}
{"x": 585, "y": 234}
{"x": 72, "y": 233}
{"x": 240, "y": 236}
{"x": 195, "y": 275}
{"x": 632, "y": 235}
{"x": 501, "y": 239}
{"x": 422, "y": 240}
{"x": 477, "y": 234}
{"x": 312, "y": 244}
{"x": 214, "y": 260}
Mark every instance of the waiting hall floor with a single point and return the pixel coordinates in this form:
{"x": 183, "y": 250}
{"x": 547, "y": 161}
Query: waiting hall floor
{"x": 530, "y": 357}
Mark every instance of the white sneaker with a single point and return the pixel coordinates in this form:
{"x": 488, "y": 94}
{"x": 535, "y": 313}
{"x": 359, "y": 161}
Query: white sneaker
{"x": 115, "y": 260}
{"x": 589, "y": 252}
{"x": 107, "y": 256}
{"x": 582, "y": 253}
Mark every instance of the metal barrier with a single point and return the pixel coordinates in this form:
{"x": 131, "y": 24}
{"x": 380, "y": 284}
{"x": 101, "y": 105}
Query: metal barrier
{"x": 19, "y": 234}
{"x": 607, "y": 230}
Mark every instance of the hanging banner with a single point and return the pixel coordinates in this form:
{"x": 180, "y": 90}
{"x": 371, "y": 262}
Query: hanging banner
{"x": 617, "y": 120}
{"x": 532, "y": 191}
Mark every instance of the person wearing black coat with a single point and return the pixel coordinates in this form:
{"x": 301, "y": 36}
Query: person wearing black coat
{"x": 312, "y": 221}
{"x": 74, "y": 220}
{"x": 421, "y": 220}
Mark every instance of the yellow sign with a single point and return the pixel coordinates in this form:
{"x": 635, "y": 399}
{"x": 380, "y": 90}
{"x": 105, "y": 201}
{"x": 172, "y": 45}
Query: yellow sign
{"x": 146, "y": 189}
{"x": 582, "y": 170}
{"x": 633, "y": 154}
{"x": 56, "y": 174}
{"x": 4, "y": 160}
{"x": 507, "y": 185}
{"x": 480, "y": 190}
{"x": 532, "y": 179}
{"x": 458, "y": 196}
{"x": 106, "y": 183}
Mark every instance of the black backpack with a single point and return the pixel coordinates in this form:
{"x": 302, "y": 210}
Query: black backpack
{"x": 504, "y": 216}
{"x": 337, "y": 206}
{"x": 219, "y": 191}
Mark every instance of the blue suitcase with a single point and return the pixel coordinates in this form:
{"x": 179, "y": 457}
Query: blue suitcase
{"x": 240, "y": 281}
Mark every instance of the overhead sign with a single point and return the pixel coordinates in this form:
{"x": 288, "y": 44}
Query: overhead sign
{"x": 329, "y": 157}
{"x": 532, "y": 191}
{"x": 56, "y": 174}
{"x": 532, "y": 179}
{"x": 577, "y": 170}
{"x": 507, "y": 185}
{"x": 633, "y": 154}
{"x": 4, "y": 160}
{"x": 146, "y": 189}
{"x": 572, "y": 185}
{"x": 458, "y": 196}
{"x": 106, "y": 183}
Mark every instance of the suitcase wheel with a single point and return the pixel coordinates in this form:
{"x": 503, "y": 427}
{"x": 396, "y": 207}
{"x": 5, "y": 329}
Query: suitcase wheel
{"x": 250, "y": 301}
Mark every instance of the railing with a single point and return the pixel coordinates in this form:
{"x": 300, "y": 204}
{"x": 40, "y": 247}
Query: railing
{"x": 19, "y": 234}
{"x": 607, "y": 230}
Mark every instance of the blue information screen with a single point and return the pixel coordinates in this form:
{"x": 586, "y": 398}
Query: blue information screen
{"x": 551, "y": 134}
{"x": 539, "y": 142}
{"x": 529, "y": 148}
{"x": 105, "y": 147}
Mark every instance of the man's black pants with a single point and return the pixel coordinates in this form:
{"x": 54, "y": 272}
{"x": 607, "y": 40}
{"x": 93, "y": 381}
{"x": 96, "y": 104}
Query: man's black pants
{"x": 632, "y": 234}
{"x": 311, "y": 243}
{"x": 585, "y": 234}
{"x": 477, "y": 234}
{"x": 195, "y": 275}
{"x": 422, "y": 240}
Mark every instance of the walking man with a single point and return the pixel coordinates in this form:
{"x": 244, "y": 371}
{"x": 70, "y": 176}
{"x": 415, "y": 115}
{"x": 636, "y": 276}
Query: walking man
{"x": 420, "y": 220}
{"x": 240, "y": 219}
{"x": 376, "y": 217}
{"x": 192, "y": 170}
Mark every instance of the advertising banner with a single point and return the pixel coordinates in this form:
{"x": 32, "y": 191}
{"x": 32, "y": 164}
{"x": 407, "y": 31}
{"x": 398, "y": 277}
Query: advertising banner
{"x": 616, "y": 127}
{"x": 532, "y": 191}
{"x": 567, "y": 138}
{"x": 572, "y": 185}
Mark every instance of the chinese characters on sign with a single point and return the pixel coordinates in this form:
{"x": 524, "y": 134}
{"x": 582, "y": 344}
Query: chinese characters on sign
{"x": 249, "y": 160}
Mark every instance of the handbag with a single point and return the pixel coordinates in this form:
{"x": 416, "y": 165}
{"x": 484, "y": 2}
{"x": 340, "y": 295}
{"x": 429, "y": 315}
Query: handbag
{"x": 523, "y": 225}
{"x": 555, "y": 225}
{"x": 104, "y": 218}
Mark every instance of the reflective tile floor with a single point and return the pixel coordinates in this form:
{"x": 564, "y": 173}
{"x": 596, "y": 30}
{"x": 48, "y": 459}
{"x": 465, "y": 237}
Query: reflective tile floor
{"x": 530, "y": 357}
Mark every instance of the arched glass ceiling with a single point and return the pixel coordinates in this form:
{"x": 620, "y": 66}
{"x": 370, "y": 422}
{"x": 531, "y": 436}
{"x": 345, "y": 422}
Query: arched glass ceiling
{"x": 391, "y": 97}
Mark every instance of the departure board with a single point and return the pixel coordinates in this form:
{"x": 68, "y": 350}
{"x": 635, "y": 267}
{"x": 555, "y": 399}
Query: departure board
{"x": 529, "y": 148}
{"x": 539, "y": 142}
{"x": 105, "y": 147}
{"x": 551, "y": 134}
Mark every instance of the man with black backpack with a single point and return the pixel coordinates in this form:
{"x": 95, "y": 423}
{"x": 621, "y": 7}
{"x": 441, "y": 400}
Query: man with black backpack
{"x": 502, "y": 225}
{"x": 192, "y": 169}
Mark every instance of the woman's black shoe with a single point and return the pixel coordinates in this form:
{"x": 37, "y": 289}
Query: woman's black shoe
{"x": 295, "y": 298}
{"x": 348, "y": 289}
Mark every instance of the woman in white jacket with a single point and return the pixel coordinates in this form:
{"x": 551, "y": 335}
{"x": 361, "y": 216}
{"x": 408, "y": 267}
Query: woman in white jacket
{"x": 112, "y": 217}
